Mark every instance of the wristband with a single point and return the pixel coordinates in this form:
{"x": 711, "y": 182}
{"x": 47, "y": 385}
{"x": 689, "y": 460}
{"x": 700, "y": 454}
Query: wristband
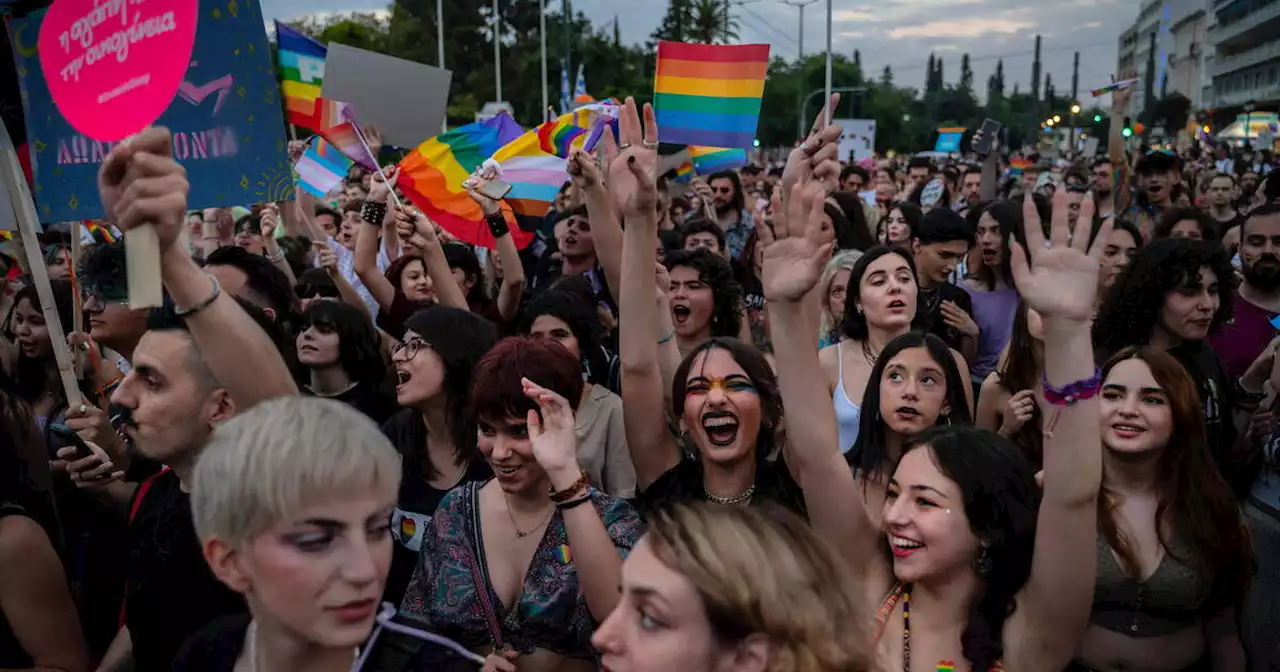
{"x": 570, "y": 492}
{"x": 574, "y": 504}
{"x": 213, "y": 296}
{"x": 1072, "y": 392}
{"x": 373, "y": 213}
{"x": 275, "y": 258}
{"x": 110, "y": 387}
{"x": 497, "y": 224}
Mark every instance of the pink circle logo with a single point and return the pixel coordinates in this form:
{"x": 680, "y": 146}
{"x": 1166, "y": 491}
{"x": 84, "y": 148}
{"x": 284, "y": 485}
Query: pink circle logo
{"x": 113, "y": 66}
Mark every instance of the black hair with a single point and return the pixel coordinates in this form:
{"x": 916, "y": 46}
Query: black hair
{"x": 463, "y": 258}
{"x": 702, "y": 225}
{"x": 165, "y": 318}
{"x": 25, "y": 480}
{"x": 32, "y": 375}
{"x": 103, "y": 265}
{"x": 854, "y": 324}
{"x": 1001, "y": 501}
{"x": 316, "y": 282}
{"x": 849, "y": 221}
{"x": 910, "y": 212}
{"x": 1132, "y": 308}
{"x": 295, "y": 250}
{"x": 358, "y": 347}
{"x": 1268, "y": 209}
{"x": 460, "y": 339}
{"x": 868, "y": 454}
{"x": 575, "y": 211}
{"x": 1170, "y": 218}
{"x": 261, "y": 277}
{"x": 751, "y": 169}
{"x": 569, "y": 304}
{"x": 252, "y": 223}
{"x": 321, "y": 211}
{"x": 762, "y": 377}
{"x": 943, "y": 225}
{"x": 739, "y": 199}
{"x": 921, "y": 162}
{"x": 1118, "y": 225}
{"x": 855, "y": 169}
{"x": 1008, "y": 214}
{"x": 715, "y": 271}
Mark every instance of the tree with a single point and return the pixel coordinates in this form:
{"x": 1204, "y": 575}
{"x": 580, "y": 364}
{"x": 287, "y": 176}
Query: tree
{"x": 940, "y": 81}
{"x": 966, "y": 74}
{"x": 930, "y": 78}
{"x": 711, "y": 23}
{"x": 675, "y": 23}
{"x": 617, "y": 32}
{"x": 857, "y": 58}
{"x": 886, "y": 77}
{"x": 995, "y": 83}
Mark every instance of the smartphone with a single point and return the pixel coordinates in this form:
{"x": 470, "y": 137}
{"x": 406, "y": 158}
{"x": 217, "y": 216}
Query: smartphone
{"x": 989, "y": 130}
{"x": 495, "y": 189}
{"x": 68, "y": 435}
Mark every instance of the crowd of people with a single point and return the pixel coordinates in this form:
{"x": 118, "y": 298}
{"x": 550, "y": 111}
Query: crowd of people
{"x": 987, "y": 412}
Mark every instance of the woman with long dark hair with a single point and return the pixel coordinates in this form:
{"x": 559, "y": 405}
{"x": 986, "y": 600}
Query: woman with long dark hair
{"x": 338, "y": 349}
{"x": 1176, "y": 292}
{"x": 1007, "y": 402}
{"x": 35, "y": 371}
{"x": 990, "y": 286}
{"x": 435, "y": 434}
{"x": 899, "y": 226}
{"x": 1174, "y": 556}
{"x": 1122, "y": 245}
{"x": 956, "y": 571}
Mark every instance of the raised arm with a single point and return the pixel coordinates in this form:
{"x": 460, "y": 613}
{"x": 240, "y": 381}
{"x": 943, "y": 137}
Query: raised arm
{"x": 512, "y": 289}
{"x": 152, "y": 190}
{"x": 1058, "y": 284}
{"x": 605, "y": 226}
{"x": 366, "y": 252}
{"x": 634, "y": 188}
{"x": 419, "y": 232}
{"x": 270, "y": 246}
{"x": 1115, "y": 152}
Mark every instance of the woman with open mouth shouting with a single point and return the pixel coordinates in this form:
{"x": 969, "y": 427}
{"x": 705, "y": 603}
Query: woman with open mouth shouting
{"x": 724, "y": 396}
{"x": 706, "y": 300}
{"x": 990, "y": 285}
{"x": 434, "y": 434}
{"x": 880, "y": 305}
{"x": 955, "y": 572}
{"x": 1174, "y": 556}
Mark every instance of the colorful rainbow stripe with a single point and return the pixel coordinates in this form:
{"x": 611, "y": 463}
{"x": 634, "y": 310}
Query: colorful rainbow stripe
{"x": 535, "y": 174}
{"x": 431, "y": 176}
{"x": 321, "y": 168}
{"x": 565, "y": 555}
{"x": 708, "y": 94}
{"x": 345, "y": 137}
{"x": 301, "y": 62}
{"x": 708, "y": 160}
{"x": 946, "y": 666}
{"x": 1115, "y": 86}
{"x": 685, "y": 173}
{"x": 98, "y": 231}
{"x": 330, "y": 113}
{"x": 557, "y": 137}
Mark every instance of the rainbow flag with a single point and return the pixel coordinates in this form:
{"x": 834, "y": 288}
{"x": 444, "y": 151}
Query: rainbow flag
{"x": 321, "y": 168}
{"x": 684, "y": 174}
{"x": 346, "y": 138}
{"x": 1017, "y": 165}
{"x": 431, "y": 176}
{"x": 301, "y": 73}
{"x": 707, "y": 94}
{"x": 557, "y": 137}
{"x": 535, "y": 174}
{"x": 1115, "y": 86}
{"x": 707, "y": 160}
{"x": 99, "y": 232}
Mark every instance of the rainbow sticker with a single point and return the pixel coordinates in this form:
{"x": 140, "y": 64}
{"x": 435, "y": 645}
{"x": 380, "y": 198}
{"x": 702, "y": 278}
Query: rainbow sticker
{"x": 565, "y": 555}
{"x": 408, "y": 527}
{"x": 946, "y": 666}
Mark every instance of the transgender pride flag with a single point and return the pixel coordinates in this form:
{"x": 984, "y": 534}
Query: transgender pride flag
{"x": 321, "y": 168}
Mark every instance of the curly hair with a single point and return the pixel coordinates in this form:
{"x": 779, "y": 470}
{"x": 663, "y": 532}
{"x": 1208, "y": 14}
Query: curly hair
{"x": 579, "y": 313}
{"x": 1171, "y": 217}
{"x": 1132, "y": 308}
{"x": 726, "y": 311}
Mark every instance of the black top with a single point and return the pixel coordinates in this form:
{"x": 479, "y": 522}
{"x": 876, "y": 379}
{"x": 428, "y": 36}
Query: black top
{"x": 1217, "y": 393}
{"x": 368, "y": 398}
{"x": 12, "y": 655}
{"x": 170, "y": 592}
{"x": 215, "y": 647}
{"x": 417, "y": 501}
{"x": 930, "y": 302}
{"x": 683, "y": 483}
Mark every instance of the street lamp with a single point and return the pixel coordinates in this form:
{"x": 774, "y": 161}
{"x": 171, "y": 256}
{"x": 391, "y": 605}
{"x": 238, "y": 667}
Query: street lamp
{"x": 1057, "y": 118}
{"x": 1049, "y": 122}
{"x": 1075, "y": 109}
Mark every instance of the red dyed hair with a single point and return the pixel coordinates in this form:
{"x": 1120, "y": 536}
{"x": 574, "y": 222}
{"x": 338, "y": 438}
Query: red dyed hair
{"x": 496, "y": 389}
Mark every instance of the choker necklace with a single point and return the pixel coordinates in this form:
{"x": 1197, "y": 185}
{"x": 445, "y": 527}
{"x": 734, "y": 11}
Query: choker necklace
{"x": 251, "y": 646}
{"x": 736, "y": 499}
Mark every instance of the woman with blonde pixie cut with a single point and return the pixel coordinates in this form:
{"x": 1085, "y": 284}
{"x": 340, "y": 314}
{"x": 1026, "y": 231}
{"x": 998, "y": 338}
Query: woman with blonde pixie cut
{"x": 724, "y": 589}
{"x": 292, "y": 502}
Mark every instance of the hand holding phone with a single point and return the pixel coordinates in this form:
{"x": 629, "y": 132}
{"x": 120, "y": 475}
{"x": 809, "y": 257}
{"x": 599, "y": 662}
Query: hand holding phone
{"x": 984, "y": 140}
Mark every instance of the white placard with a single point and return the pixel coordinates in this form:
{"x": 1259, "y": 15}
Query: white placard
{"x": 858, "y": 139}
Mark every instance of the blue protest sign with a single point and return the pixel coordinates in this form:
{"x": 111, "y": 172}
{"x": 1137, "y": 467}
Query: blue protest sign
{"x": 948, "y": 141}
{"x": 228, "y": 128}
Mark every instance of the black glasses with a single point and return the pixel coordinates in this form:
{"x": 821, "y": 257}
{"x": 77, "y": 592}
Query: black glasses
{"x": 408, "y": 349}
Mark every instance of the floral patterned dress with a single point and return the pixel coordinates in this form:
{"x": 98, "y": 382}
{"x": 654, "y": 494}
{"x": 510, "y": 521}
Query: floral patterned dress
{"x": 444, "y": 595}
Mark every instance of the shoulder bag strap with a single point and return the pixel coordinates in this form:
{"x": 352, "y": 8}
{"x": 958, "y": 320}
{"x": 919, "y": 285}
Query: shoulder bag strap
{"x": 477, "y": 553}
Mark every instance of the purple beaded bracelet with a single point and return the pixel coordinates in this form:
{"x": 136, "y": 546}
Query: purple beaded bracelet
{"x": 1072, "y": 392}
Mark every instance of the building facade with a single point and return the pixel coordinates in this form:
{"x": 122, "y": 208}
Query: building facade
{"x": 1245, "y": 65}
{"x": 1187, "y": 73}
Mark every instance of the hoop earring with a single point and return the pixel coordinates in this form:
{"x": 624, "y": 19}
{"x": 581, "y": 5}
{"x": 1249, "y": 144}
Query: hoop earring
{"x": 983, "y": 565}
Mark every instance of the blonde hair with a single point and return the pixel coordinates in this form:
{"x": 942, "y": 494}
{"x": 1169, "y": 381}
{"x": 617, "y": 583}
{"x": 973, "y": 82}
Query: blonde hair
{"x": 766, "y": 572}
{"x": 842, "y": 261}
{"x": 282, "y": 455}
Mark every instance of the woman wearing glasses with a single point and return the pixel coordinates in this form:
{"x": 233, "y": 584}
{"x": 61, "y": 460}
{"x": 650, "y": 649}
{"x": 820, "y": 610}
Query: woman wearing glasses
{"x": 435, "y": 434}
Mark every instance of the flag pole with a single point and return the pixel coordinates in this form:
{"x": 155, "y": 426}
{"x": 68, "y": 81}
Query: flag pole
{"x": 444, "y": 123}
{"x": 542, "y": 23}
{"x": 827, "y": 106}
{"x": 360, "y": 134}
{"x": 497, "y": 51}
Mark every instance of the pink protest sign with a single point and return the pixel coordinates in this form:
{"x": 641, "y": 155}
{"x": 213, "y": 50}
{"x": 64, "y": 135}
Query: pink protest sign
{"x": 113, "y": 66}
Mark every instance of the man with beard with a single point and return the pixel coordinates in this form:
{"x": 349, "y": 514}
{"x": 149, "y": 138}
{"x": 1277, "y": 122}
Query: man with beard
{"x": 971, "y": 186}
{"x": 1241, "y": 340}
{"x": 731, "y": 212}
{"x": 1157, "y": 176}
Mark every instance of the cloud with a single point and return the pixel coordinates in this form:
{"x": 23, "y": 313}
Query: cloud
{"x": 1091, "y": 24}
{"x": 853, "y": 34}
{"x": 853, "y": 15}
{"x": 971, "y": 28}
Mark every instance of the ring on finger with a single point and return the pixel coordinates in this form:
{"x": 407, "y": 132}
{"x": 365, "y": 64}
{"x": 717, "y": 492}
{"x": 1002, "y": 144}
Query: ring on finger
{"x": 625, "y": 145}
{"x": 650, "y": 144}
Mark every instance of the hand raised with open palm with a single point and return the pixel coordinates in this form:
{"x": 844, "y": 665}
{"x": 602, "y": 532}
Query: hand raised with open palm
{"x": 797, "y": 248}
{"x": 633, "y": 173}
{"x": 1061, "y": 280}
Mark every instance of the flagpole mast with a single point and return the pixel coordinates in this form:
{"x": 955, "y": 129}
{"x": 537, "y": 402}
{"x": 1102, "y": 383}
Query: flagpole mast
{"x": 444, "y": 123}
{"x": 828, "y": 104}
{"x": 497, "y": 51}
{"x": 542, "y": 24}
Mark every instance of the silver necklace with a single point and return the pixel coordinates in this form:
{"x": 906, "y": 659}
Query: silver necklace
{"x": 516, "y": 526}
{"x": 251, "y": 646}
{"x": 736, "y": 499}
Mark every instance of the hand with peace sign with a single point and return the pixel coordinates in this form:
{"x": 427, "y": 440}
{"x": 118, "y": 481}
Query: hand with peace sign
{"x": 1061, "y": 280}
{"x": 633, "y": 174}
{"x": 796, "y": 248}
{"x": 816, "y": 156}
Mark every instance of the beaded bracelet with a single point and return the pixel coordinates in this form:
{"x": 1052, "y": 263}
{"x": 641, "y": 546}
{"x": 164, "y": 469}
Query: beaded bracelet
{"x": 373, "y": 212}
{"x": 1068, "y": 394}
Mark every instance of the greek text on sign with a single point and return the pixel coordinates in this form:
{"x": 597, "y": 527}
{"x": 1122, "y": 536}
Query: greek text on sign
{"x": 113, "y": 66}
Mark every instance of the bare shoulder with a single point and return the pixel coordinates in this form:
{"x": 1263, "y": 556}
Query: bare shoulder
{"x": 992, "y": 385}
{"x": 24, "y": 545}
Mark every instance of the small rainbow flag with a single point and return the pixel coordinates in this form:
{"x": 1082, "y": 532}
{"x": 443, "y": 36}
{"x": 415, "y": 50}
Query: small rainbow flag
{"x": 330, "y": 113}
{"x": 684, "y": 174}
{"x": 946, "y": 666}
{"x": 565, "y": 555}
{"x": 1115, "y": 86}
{"x": 707, "y": 94}
{"x": 557, "y": 137}
{"x": 98, "y": 231}
{"x": 346, "y": 138}
{"x": 707, "y": 160}
{"x": 1016, "y": 166}
{"x": 301, "y": 62}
